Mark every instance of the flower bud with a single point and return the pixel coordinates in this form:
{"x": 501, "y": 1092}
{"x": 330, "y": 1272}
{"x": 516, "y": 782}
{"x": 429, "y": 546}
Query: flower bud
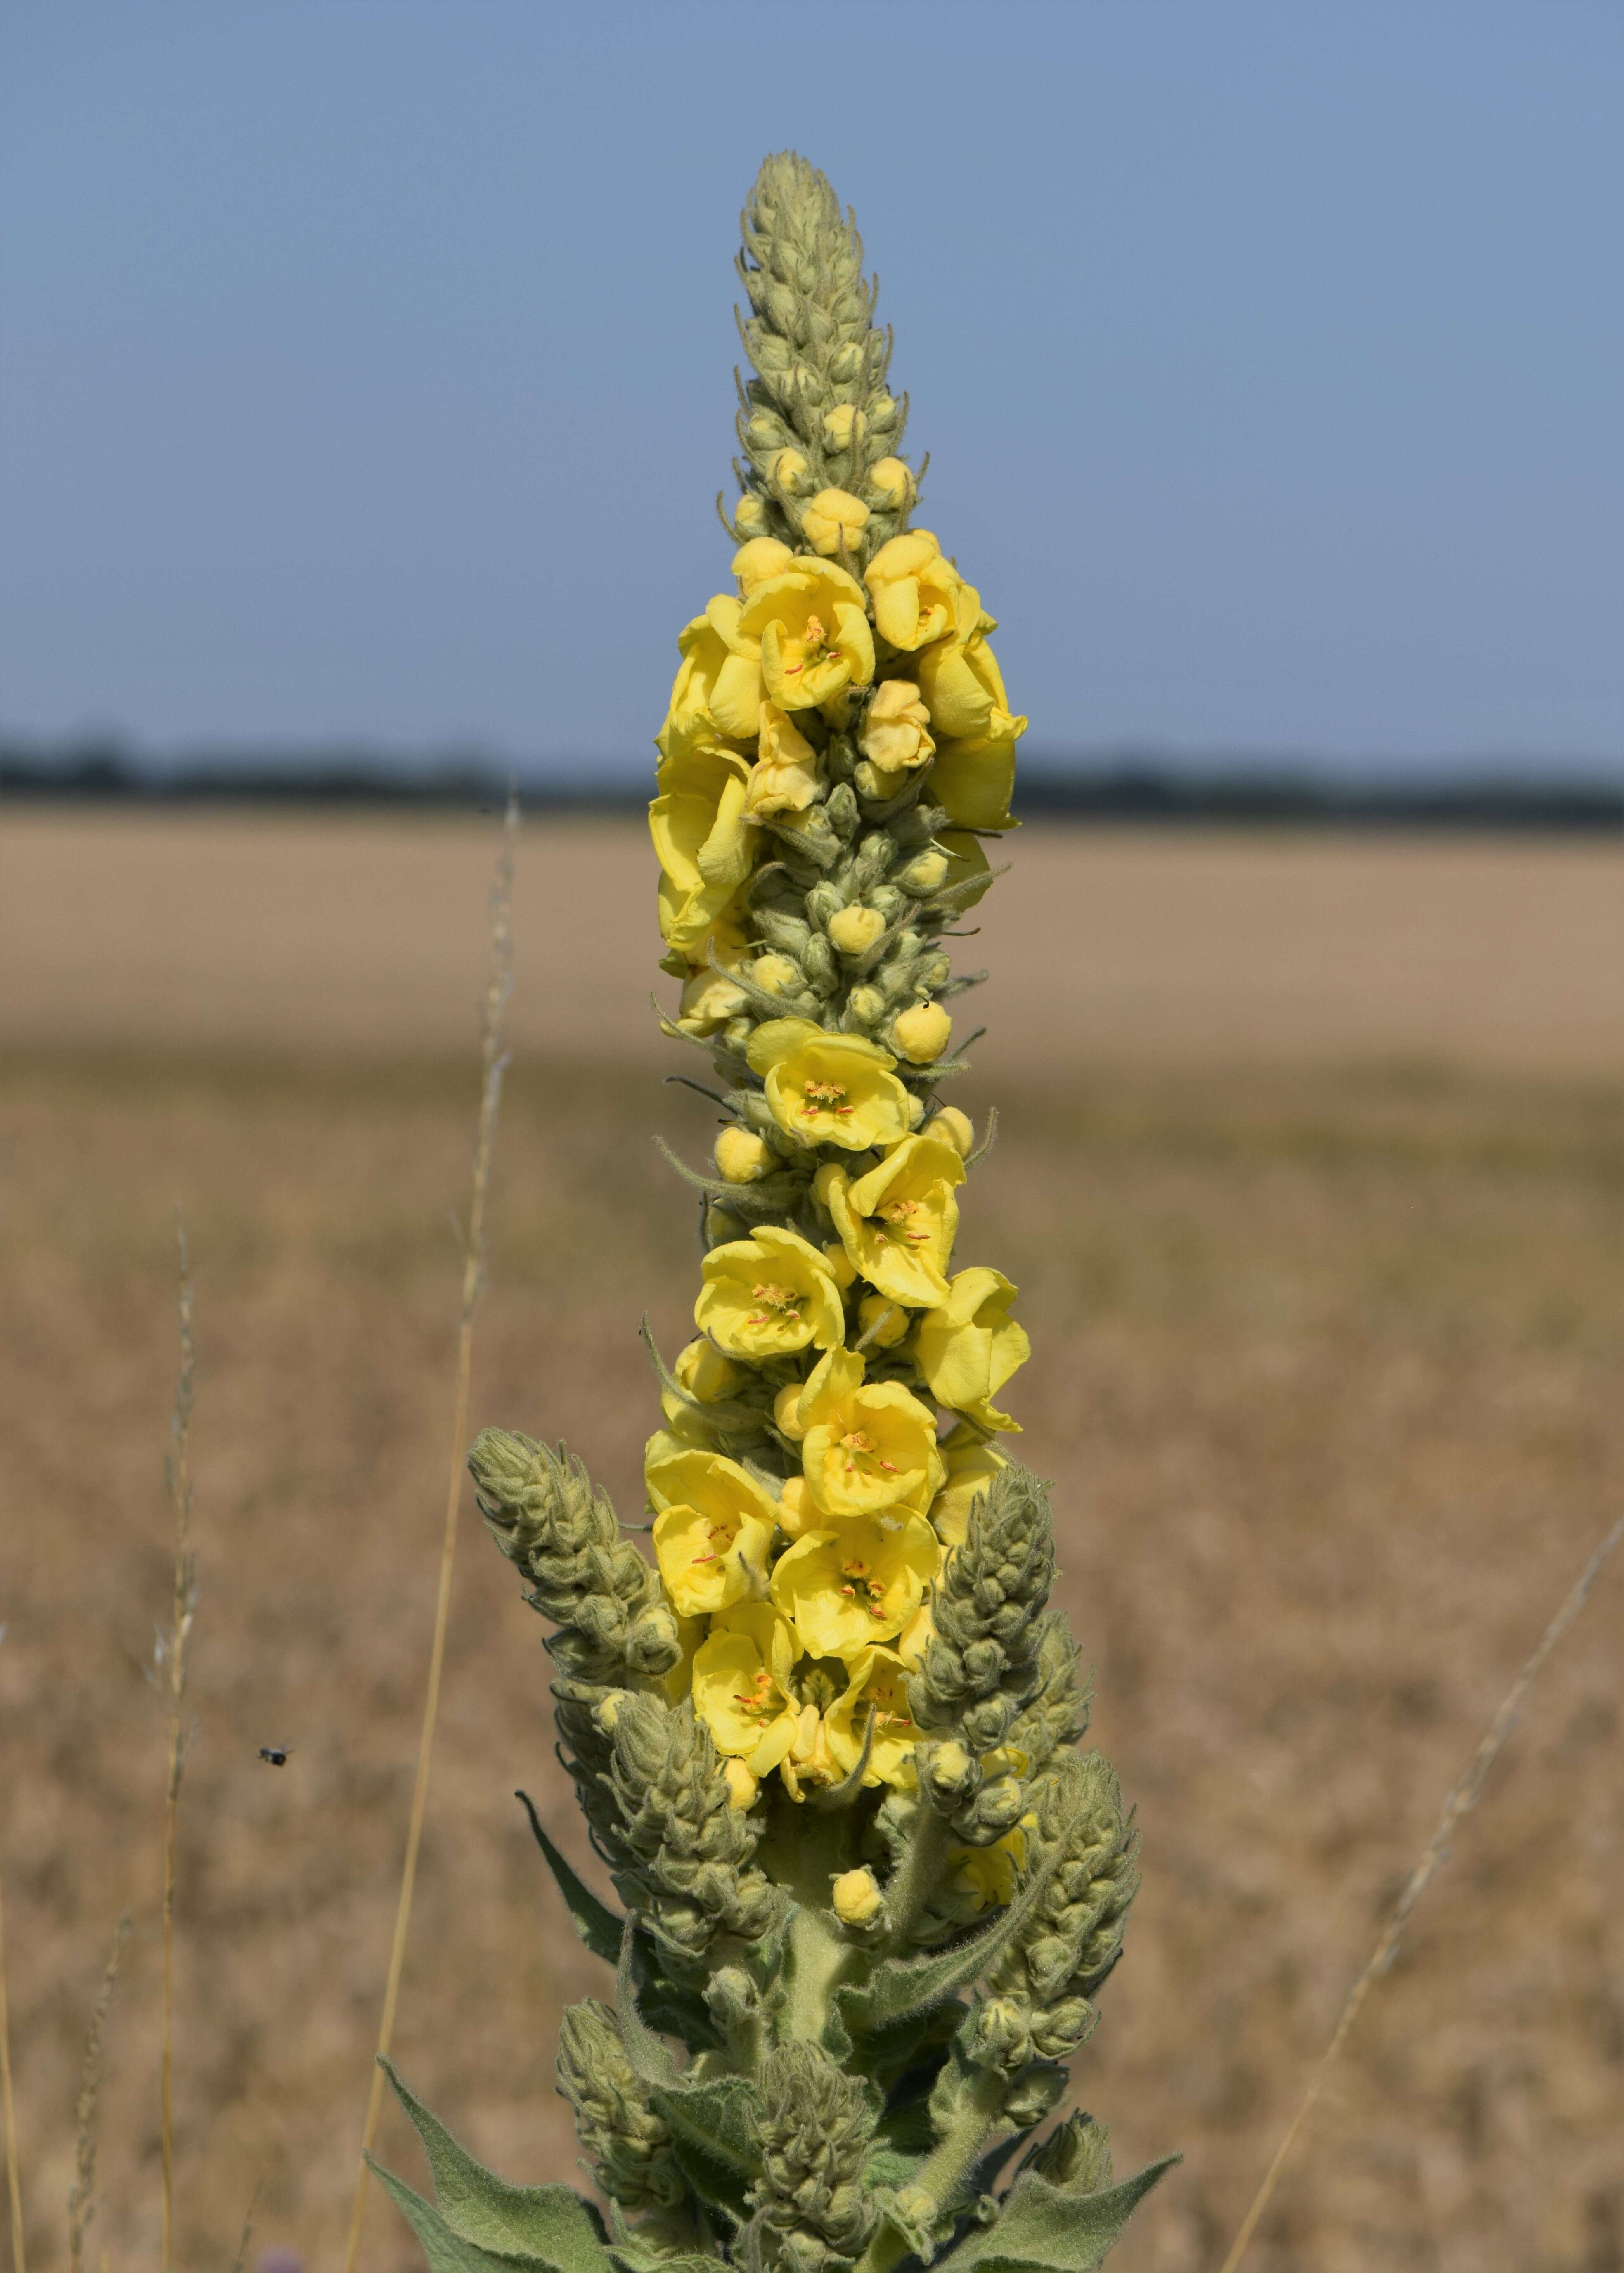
{"x": 866, "y": 1004}
{"x": 763, "y": 431}
{"x": 883, "y": 414}
{"x": 998, "y": 2035}
{"x": 916, "y": 1111}
{"x": 750, "y": 515}
{"x": 761, "y": 558}
{"x": 741, "y": 1157}
{"x": 842, "y": 425}
{"x": 856, "y": 1897}
{"x": 949, "y": 1126}
{"x": 927, "y": 872}
{"x": 948, "y": 1774}
{"x": 894, "y": 483}
{"x": 832, "y": 520}
{"x": 731, "y": 1995}
{"x": 701, "y": 1368}
{"x": 790, "y": 472}
{"x": 921, "y": 1034}
{"x": 742, "y": 1786}
{"x": 855, "y": 930}
{"x": 883, "y": 1322}
{"x": 798, "y": 1511}
{"x": 785, "y": 1406}
{"x": 775, "y": 974}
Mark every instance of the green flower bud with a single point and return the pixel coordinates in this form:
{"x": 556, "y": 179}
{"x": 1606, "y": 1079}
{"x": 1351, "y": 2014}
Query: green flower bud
{"x": 689, "y": 1847}
{"x": 1033, "y": 2093}
{"x": 998, "y": 2035}
{"x": 628, "y": 2145}
{"x": 1072, "y": 1938}
{"x": 545, "y": 1516}
{"x": 1075, "y": 2156}
{"x": 814, "y": 2128}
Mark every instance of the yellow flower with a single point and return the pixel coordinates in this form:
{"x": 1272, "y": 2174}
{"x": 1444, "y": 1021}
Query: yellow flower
{"x": 768, "y": 1294}
{"x": 960, "y": 679}
{"x": 713, "y": 1533}
{"x": 704, "y": 843}
{"x": 785, "y": 777}
{"x": 968, "y": 1347}
{"x": 710, "y": 996}
{"x": 741, "y": 1687}
{"x": 898, "y": 1222}
{"x": 974, "y": 778}
{"x": 858, "y": 1584}
{"x": 896, "y": 732}
{"x": 717, "y": 690}
{"x": 814, "y": 633}
{"x": 989, "y": 1876}
{"x": 916, "y": 1637}
{"x": 879, "y": 1684}
{"x": 761, "y": 558}
{"x": 829, "y": 1088}
{"x": 868, "y": 1446}
{"x": 916, "y": 591}
{"x": 833, "y": 518}
{"x": 893, "y": 483}
{"x": 972, "y": 1463}
{"x": 921, "y": 1032}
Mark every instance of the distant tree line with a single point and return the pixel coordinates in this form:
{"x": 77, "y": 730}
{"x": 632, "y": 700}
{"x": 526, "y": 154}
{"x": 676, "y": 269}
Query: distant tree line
{"x": 1104, "y": 787}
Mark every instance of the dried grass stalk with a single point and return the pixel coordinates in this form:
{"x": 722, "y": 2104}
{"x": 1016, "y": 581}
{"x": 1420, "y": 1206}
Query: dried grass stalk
{"x": 8, "y": 2110}
{"x": 82, "y": 2193}
{"x": 170, "y": 1667}
{"x": 1462, "y": 1798}
{"x": 496, "y": 1061}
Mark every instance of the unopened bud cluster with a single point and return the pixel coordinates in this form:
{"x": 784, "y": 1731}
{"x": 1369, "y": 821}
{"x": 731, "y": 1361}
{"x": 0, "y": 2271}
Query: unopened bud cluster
{"x": 826, "y": 1742}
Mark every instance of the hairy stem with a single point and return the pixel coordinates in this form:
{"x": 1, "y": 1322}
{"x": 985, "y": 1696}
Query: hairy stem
{"x": 916, "y": 1874}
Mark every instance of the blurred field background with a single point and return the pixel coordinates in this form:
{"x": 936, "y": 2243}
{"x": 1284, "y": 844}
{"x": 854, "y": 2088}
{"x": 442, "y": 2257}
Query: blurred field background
{"x": 1312, "y": 1174}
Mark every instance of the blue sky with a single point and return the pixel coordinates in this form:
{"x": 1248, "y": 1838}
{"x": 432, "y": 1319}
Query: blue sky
{"x": 366, "y": 364}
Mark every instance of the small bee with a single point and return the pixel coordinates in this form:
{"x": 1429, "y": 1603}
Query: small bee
{"x": 275, "y": 1755}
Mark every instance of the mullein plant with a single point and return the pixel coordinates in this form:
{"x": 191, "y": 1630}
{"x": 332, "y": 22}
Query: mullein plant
{"x": 827, "y": 1743}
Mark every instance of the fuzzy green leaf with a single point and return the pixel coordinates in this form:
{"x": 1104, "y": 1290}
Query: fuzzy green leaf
{"x": 1044, "y": 2229}
{"x": 900, "y": 1986}
{"x": 713, "y": 2134}
{"x": 548, "y": 2225}
{"x": 595, "y": 1922}
{"x": 445, "y": 2251}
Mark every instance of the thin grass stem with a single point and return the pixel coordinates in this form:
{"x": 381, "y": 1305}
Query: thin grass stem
{"x": 495, "y": 1054}
{"x": 82, "y": 2193}
{"x": 171, "y": 1668}
{"x": 1462, "y": 1798}
{"x": 8, "y": 2111}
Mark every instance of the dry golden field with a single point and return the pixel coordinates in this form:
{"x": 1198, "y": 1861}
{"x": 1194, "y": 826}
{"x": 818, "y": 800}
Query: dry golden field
{"x": 1312, "y": 1174}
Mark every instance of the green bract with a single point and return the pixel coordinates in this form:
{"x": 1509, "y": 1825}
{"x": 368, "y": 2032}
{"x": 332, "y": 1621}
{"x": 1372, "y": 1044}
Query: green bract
{"x": 827, "y": 1749}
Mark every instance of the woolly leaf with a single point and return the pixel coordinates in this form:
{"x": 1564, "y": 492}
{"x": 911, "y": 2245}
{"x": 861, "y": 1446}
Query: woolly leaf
{"x": 548, "y": 2225}
{"x": 899, "y": 1986}
{"x": 712, "y": 2135}
{"x": 595, "y": 1922}
{"x": 1044, "y": 2229}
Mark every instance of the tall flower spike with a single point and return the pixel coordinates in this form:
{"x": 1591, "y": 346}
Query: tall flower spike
{"x": 826, "y": 1747}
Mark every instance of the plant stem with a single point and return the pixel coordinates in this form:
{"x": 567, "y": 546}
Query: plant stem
{"x": 496, "y": 994}
{"x": 916, "y": 1874}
